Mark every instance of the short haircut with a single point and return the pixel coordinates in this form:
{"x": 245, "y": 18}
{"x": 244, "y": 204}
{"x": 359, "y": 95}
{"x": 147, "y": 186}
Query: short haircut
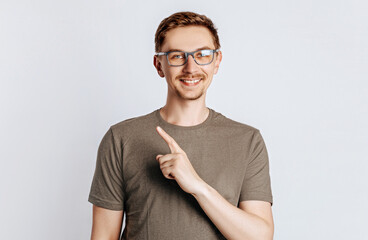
{"x": 182, "y": 19}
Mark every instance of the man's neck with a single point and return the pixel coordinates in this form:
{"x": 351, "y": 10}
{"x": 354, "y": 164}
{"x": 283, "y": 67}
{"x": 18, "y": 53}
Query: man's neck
{"x": 188, "y": 115}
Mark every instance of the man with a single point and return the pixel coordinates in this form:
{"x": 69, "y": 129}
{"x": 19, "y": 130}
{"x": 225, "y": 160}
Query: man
{"x": 183, "y": 171}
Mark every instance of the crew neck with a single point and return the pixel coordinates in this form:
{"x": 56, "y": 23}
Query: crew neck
{"x": 164, "y": 123}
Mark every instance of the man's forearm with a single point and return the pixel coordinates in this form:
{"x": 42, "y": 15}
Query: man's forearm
{"x": 233, "y": 222}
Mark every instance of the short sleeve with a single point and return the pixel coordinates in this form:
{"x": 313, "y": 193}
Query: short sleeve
{"x": 107, "y": 184}
{"x": 257, "y": 183}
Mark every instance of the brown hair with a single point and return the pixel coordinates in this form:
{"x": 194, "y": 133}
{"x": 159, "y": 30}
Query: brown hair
{"x": 182, "y": 19}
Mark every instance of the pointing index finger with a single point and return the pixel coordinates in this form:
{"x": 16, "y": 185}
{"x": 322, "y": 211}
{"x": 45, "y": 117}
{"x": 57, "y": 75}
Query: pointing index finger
{"x": 174, "y": 147}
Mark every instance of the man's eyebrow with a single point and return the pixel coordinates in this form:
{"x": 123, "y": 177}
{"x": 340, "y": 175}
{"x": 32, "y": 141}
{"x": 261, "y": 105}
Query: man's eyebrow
{"x": 176, "y": 49}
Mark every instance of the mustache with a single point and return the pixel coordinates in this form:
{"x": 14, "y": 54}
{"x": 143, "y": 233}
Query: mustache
{"x": 191, "y": 76}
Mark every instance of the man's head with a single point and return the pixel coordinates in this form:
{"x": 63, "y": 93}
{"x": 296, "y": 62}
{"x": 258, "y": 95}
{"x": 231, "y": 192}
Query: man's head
{"x": 188, "y": 32}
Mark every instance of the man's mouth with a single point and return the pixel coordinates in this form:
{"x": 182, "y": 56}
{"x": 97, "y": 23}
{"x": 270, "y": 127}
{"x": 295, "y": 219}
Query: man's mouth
{"x": 190, "y": 80}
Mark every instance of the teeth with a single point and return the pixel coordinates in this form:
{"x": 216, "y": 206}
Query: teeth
{"x": 191, "y": 81}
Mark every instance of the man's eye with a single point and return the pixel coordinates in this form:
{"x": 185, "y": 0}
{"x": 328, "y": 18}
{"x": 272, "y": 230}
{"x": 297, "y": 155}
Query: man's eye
{"x": 177, "y": 56}
{"x": 204, "y": 53}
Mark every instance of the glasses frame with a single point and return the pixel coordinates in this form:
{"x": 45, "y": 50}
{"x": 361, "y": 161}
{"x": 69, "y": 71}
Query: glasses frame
{"x": 187, "y": 54}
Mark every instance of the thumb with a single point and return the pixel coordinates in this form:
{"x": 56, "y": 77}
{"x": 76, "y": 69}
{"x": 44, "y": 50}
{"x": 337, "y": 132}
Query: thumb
{"x": 158, "y": 156}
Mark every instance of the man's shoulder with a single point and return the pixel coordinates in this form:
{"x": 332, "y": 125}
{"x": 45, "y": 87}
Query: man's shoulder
{"x": 134, "y": 124}
{"x": 134, "y": 120}
{"x": 233, "y": 125}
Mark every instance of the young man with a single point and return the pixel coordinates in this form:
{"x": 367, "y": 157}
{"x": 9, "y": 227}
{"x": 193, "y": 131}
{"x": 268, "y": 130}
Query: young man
{"x": 183, "y": 171}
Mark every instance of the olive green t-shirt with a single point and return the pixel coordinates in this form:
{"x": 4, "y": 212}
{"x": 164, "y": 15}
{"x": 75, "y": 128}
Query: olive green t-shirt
{"x": 228, "y": 155}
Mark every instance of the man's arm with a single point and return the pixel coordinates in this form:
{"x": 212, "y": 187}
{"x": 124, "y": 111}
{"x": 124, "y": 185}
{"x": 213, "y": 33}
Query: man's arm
{"x": 106, "y": 224}
{"x": 251, "y": 221}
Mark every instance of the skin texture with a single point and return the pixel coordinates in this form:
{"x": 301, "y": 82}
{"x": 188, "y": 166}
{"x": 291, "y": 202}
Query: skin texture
{"x": 185, "y": 106}
{"x": 106, "y": 224}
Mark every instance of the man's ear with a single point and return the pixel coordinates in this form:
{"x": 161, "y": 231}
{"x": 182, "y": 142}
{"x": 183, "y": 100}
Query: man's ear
{"x": 158, "y": 66}
{"x": 218, "y": 61}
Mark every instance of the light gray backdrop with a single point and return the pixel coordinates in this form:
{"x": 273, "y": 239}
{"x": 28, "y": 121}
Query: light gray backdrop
{"x": 296, "y": 70}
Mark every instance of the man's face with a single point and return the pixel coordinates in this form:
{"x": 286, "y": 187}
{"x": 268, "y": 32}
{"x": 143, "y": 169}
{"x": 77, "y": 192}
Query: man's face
{"x": 189, "y": 38}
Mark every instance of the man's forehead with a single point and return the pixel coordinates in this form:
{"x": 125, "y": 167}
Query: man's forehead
{"x": 188, "y": 38}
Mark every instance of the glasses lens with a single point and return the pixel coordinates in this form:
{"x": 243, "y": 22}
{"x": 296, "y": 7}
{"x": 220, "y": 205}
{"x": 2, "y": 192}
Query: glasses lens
{"x": 203, "y": 56}
{"x": 176, "y": 58}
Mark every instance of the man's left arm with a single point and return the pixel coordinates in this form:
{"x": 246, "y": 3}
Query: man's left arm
{"x": 252, "y": 220}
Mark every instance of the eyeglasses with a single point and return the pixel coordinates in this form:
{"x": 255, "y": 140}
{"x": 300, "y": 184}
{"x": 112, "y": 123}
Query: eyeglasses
{"x": 179, "y": 58}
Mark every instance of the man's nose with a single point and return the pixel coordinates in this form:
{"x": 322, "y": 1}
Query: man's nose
{"x": 191, "y": 65}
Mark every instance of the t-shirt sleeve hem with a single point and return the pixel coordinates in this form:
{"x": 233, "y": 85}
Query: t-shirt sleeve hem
{"x": 104, "y": 204}
{"x": 257, "y": 196}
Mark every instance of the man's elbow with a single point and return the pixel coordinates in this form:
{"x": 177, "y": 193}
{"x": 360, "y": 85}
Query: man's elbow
{"x": 267, "y": 232}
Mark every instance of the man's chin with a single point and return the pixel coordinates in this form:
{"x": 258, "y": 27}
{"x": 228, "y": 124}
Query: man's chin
{"x": 190, "y": 96}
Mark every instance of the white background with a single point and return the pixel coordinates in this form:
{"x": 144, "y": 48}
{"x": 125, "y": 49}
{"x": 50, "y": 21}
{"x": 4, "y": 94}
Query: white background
{"x": 296, "y": 70}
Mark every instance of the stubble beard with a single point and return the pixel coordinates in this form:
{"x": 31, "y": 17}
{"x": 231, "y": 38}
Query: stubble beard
{"x": 183, "y": 96}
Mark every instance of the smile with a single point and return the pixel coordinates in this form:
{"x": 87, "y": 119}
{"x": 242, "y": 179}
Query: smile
{"x": 190, "y": 81}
